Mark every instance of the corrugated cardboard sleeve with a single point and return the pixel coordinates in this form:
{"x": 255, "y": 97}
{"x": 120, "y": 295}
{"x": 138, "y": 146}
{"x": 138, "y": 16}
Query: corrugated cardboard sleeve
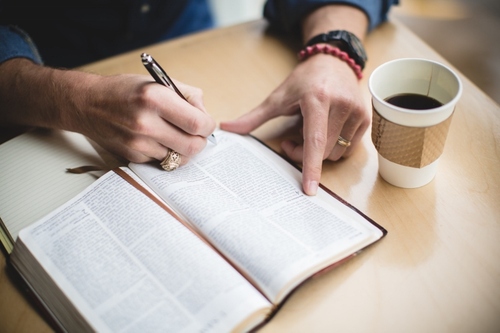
{"x": 409, "y": 146}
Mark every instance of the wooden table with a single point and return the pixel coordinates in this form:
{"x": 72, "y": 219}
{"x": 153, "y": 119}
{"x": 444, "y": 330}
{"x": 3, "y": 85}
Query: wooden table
{"x": 438, "y": 270}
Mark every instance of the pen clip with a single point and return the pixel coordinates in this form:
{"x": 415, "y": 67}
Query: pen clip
{"x": 162, "y": 78}
{"x": 159, "y": 74}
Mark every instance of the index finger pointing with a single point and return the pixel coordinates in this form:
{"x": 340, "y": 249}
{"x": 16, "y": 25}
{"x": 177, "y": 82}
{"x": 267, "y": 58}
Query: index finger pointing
{"x": 315, "y": 140}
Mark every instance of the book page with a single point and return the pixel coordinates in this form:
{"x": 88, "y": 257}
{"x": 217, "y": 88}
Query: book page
{"x": 128, "y": 265}
{"x": 34, "y": 178}
{"x": 249, "y": 203}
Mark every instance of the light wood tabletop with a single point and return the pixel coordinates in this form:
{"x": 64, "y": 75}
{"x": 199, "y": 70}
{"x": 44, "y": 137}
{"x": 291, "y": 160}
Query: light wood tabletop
{"x": 438, "y": 269}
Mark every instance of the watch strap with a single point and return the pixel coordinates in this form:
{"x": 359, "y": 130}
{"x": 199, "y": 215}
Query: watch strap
{"x": 345, "y": 41}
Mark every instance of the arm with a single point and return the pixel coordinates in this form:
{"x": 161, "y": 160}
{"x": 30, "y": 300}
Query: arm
{"x": 287, "y": 15}
{"x": 129, "y": 115}
{"x": 324, "y": 90}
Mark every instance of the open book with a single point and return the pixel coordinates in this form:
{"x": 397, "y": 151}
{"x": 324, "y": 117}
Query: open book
{"x": 214, "y": 246}
{"x": 33, "y": 177}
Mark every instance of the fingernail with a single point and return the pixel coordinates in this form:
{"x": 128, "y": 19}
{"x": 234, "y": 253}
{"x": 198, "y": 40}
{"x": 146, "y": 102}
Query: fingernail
{"x": 312, "y": 187}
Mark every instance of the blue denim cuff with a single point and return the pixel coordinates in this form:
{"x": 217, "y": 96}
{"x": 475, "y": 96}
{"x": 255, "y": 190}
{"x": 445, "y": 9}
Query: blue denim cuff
{"x": 287, "y": 14}
{"x": 15, "y": 43}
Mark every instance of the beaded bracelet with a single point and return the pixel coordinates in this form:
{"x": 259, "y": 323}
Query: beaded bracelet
{"x": 334, "y": 51}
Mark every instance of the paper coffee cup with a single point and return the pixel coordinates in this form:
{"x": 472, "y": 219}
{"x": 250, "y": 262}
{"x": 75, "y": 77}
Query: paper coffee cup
{"x": 409, "y": 142}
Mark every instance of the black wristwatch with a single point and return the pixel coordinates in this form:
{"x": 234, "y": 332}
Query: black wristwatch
{"x": 344, "y": 40}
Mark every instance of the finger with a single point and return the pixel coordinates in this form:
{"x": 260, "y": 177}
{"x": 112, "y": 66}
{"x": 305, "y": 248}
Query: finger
{"x": 152, "y": 132}
{"x": 172, "y": 137}
{"x": 156, "y": 151}
{"x": 352, "y": 131}
{"x": 182, "y": 114}
{"x": 249, "y": 121}
{"x": 339, "y": 148}
{"x": 136, "y": 148}
{"x": 339, "y": 120}
{"x": 293, "y": 150}
{"x": 354, "y": 142}
{"x": 193, "y": 95}
{"x": 315, "y": 140}
{"x": 146, "y": 150}
{"x": 357, "y": 138}
{"x": 173, "y": 160}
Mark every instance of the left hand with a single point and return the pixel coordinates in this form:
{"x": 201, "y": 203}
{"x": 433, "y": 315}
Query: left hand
{"x": 326, "y": 92}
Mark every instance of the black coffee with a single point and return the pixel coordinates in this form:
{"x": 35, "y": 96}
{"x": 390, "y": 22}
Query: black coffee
{"x": 413, "y": 101}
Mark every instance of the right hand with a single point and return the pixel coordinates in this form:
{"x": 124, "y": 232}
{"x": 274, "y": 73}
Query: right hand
{"x": 136, "y": 118}
{"x": 129, "y": 115}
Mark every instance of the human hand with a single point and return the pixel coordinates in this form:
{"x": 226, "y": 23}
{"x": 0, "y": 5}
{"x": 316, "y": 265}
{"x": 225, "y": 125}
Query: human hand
{"x": 326, "y": 92}
{"x": 138, "y": 119}
{"x": 129, "y": 115}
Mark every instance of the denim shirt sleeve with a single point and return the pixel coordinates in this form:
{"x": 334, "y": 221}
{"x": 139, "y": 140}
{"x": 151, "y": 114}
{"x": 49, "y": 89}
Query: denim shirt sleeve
{"x": 286, "y": 14}
{"x": 15, "y": 43}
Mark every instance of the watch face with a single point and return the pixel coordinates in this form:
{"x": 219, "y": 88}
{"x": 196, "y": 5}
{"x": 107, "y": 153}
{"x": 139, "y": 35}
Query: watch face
{"x": 358, "y": 47}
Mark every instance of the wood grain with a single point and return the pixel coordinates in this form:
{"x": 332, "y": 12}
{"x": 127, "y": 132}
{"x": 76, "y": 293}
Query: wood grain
{"x": 438, "y": 270}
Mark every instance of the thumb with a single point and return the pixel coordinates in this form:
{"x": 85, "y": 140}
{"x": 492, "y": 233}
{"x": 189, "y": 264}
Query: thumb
{"x": 249, "y": 121}
{"x": 193, "y": 95}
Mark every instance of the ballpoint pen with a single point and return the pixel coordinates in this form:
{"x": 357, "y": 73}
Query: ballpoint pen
{"x": 162, "y": 78}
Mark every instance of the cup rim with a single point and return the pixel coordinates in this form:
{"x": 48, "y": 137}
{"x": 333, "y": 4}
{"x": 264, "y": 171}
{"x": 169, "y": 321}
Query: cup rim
{"x": 412, "y": 111}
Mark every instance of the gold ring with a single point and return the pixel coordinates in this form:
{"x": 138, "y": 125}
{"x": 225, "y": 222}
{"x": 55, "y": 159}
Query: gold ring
{"x": 343, "y": 142}
{"x": 171, "y": 161}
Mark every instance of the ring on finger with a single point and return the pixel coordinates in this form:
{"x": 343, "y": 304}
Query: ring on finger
{"x": 343, "y": 142}
{"x": 171, "y": 161}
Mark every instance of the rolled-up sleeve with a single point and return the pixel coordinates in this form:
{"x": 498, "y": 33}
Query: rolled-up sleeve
{"x": 287, "y": 14}
{"x": 15, "y": 43}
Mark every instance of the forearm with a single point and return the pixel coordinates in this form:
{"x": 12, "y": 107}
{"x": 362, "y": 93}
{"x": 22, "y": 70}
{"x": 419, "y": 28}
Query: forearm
{"x": 287, "y": 15}
{"x": 34, "y": 95}
{"x": 127, "y": 114}
{"x": 335, "y": 17}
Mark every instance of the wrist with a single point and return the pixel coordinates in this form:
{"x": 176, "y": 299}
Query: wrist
{"x": 71, "y": 95}
{"x": 309, "y": 51}
{"x": 20, "y": 93}
{"x": 334, "y": 17}
{"x": 39, "y": 96}
{"x": 345, "y": 41}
